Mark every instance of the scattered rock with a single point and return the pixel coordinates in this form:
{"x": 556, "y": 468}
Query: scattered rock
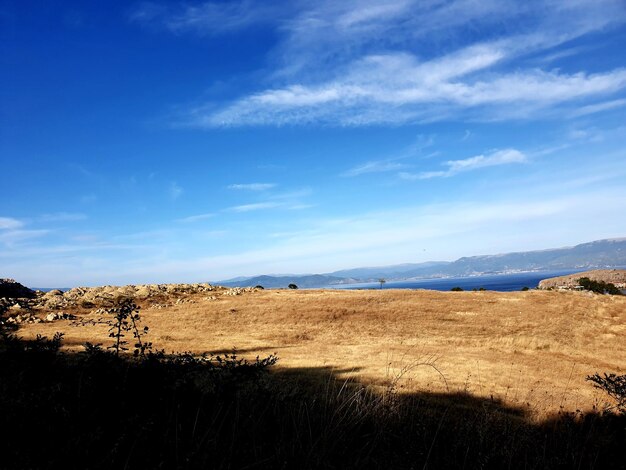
{"x": 53, "y": 316}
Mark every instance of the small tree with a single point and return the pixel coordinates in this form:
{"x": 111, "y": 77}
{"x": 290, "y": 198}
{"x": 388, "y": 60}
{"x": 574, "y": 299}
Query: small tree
{"x": 292, "y": 286}
{"x": 457, "y": 289}
{"x": 382, "y": 281}
{"x": 614, "y": 385}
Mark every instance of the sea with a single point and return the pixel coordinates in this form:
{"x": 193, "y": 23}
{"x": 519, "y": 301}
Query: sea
{"x": 495, "y": 282}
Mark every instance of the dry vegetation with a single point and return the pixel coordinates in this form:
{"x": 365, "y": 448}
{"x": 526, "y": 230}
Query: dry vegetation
{"x": 614, "y": 276}
{"x": 531, "y": 349}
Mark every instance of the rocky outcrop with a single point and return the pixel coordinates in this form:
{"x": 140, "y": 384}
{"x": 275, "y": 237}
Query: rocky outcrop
{"x": 101, "y": 298}
{"x": 11, "y": 289}
{"x": 613, "y": 276}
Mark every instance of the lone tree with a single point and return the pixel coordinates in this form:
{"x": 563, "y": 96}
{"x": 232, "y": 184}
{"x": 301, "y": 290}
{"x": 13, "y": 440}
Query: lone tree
{"x": 382, "y": 281}
{"x": 292, "y": 286}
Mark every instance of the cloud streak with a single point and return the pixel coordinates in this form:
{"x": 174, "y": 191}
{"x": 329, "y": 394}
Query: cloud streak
{"x": 500, "y": 157}
{"x": 252, "y": 186}
{"x": 360, "y": 62}
{"x": 196, "y": 218}
{"x": 9, "y": 223}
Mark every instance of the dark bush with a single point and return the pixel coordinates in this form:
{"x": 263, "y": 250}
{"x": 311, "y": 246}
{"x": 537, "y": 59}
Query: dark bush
{"x": 614, "y": 385}
{"x": 292, "y": 286}
{"x": 457, "y": 289}
{"x": 599, "y": 287}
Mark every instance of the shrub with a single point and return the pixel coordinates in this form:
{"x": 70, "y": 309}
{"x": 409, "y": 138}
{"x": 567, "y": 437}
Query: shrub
{"x": 524, "y": 289}
{"x": 457, "y": 289}
{"x": 292, "y": 286}
{"x": 599, "y": 287}
{"x": 614, "y": 386}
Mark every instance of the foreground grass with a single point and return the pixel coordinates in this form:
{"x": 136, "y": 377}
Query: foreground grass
{"x": 95, "y": 410}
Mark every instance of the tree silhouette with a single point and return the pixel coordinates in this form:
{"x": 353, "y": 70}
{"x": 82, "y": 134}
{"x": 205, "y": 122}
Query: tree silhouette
{"x": 382, "y": 281}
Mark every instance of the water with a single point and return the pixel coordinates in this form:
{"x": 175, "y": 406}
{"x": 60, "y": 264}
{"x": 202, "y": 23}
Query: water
{"x": 496, "y": 282}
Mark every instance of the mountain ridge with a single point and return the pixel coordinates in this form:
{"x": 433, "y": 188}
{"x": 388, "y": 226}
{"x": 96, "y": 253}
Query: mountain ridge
{"x": 605, "y": 253}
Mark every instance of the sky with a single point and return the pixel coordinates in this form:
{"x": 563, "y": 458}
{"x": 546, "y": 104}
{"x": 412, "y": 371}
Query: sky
{"x": 151, "y": 142}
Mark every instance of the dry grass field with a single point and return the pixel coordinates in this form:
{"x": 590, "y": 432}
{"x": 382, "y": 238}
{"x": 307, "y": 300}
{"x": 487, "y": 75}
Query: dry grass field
{"x": 531, "y": 349}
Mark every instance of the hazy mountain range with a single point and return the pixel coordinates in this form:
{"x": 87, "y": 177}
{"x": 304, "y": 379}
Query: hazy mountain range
{"x": 597, "y": 254}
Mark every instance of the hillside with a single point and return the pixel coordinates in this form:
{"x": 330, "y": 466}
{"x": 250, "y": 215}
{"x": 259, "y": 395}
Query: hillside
{"x": 613, "y": 276}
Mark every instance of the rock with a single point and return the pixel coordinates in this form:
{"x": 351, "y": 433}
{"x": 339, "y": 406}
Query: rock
{"x": 11, "y": 289}
{"x": 52, "y": 316}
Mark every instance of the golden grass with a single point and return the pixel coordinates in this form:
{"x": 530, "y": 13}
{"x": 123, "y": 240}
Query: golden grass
{"x": 530, "y": 348}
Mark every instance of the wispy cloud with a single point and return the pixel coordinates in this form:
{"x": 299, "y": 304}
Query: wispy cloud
{"x": 396, "y": 89}
{"x": 500, "y": 157}
{"x": 63, "y": 217}
{"x": 394, "y": 163}
{"x": 355, "y": 63}
{"x": 254, "y": 206}
{"x": 208, "y": 18}
{"x": 252, "y": 186}
{"x": 380, "y": 166}
{"x": 196, "y": 218}
{"x": 9, "y": 223}
{"x": 13, "y": 237}
{"x": 598, "y": 107}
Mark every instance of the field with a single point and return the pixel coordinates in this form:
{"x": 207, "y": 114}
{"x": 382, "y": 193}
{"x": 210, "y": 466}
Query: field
{"x": 526, "y": 349}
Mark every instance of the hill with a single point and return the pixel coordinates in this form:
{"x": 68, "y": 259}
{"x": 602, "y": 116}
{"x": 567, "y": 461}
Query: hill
{"x": 613, "y": 276}
{"x": 598, "y": 254}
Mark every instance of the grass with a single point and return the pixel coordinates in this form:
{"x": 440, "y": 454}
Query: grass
{"x": 365, "y": 379}
{"x": 528, "y": 349}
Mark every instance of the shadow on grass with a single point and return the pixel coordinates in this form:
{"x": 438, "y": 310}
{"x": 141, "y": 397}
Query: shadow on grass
{"x": 95, "y": 410}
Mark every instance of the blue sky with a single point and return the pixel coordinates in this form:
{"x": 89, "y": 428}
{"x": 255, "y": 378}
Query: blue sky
{"x": 195, "y": 141}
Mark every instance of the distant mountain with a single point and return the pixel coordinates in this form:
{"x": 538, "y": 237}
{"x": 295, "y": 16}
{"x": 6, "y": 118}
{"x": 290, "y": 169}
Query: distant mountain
{"x": 395, "y": 271}
{"x": 594, "y": 255}
{"x": 306, "y": 281}
{"x": 597, "y": 254}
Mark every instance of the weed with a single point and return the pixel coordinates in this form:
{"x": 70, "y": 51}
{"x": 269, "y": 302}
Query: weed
{"x": 615, "y": 386}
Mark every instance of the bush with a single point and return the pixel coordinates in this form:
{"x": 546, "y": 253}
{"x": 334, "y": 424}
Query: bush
{"x": 599, "y": 287}
{"x": 457, "y": 289}
{"x": 614, "y": 386}
{"x": 292, "y": 286}
{"x": 524, "y": 289}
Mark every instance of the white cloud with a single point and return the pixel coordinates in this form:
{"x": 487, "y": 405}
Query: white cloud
{"x": 196, "y": 218}
{"x": 254, "y": 206}
{"x": 291, "y": 205}
{"x": 360, "y": 62}
{"x": 9, "y": 223}
{"x": 500, "y": 157}
{"x": 596, "y": 108}
{"x": 252, "y": 186}
{"x": 380, "y": 166}
{"x": 396, "y": 89}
